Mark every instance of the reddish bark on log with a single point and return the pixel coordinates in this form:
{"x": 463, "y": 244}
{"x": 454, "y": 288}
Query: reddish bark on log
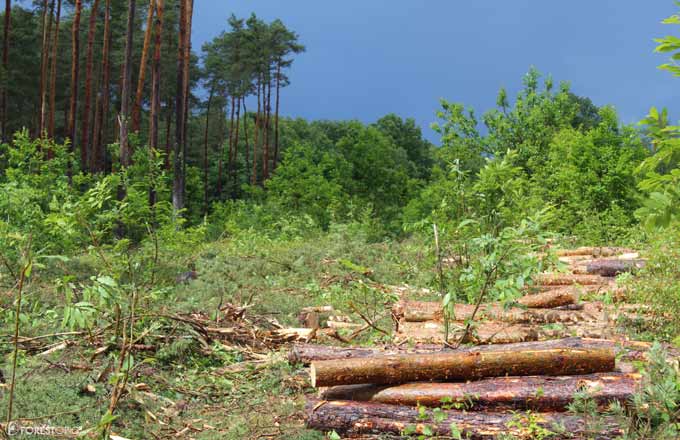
{"x": 356, "y": 418}
{"x": 462, "y": 366}
{"x": 539, "y": 393}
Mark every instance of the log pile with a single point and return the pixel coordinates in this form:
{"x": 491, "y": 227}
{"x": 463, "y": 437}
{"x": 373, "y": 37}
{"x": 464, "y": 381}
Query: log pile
{"x": 551, "y": 309}
{"x": 478, "y": 392}
{"x": 520, "y": 383}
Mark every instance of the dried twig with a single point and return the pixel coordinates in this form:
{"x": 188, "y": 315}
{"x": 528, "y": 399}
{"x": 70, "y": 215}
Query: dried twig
{"x": 22, "y": 280}
{"x": 368, "y": 321}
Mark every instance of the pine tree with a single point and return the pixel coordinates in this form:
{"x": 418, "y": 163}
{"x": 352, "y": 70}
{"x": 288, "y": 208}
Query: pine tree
{"x": 75, "y": 69}
{"x": 125, "y": 152}
{"x": 53, "y": 76}
{"x": 5, "y": 66}
{"x": 86, "y": 151}
{"x": 137, "y": 107}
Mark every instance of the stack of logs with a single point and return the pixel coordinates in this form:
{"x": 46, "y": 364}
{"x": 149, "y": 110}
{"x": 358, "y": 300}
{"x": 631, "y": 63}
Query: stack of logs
{"x": 552, "y": 309}
{"x": 477, "y": 393}
{"x": 518, "y": 380}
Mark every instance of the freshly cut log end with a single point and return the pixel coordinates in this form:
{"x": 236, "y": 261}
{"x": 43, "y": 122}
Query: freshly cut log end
{"x": 538, "y": 393}
{"x": 361, "y": 418}
{"x": 454, "y": 366}
{"x": 312, "y": 375}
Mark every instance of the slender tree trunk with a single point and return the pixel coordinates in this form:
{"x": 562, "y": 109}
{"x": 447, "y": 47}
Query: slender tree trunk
{"x": 125, "y": 153}
{"x": 276, "y": 118}
{"x": 44, "y": 61}
{"x": 178, "y": 179}
{"x": 205, "y": 152}
{"x": 253, "y": 177}
{"x": 236, "y": 139}
{"x": 101, "y": 103}
{"x": 155, "y": 90}
{"x": 85, "y": 150}
{"x": 245, "y": 134}
{"x": 5, "y": 66}
{"x": 53, "y": 77}
{"x": 156, "y": 77}
{"x": 75, "y": 68}
{"x": 168, "y": 136}
{"x": 187, "y": 78}
{"x": 231, "y": 138}
{"x": 223, "y": 124}
{"x": 137, "y": 108}
{"x": 267, "y": 116}
{"x": 106, "y": 96}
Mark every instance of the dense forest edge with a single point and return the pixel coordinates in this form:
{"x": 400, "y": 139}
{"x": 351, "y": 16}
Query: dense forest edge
{"x": 147, "y": 186}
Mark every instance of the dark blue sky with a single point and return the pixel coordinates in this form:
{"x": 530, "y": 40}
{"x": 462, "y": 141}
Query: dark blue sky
{"x": 366, "y": 58}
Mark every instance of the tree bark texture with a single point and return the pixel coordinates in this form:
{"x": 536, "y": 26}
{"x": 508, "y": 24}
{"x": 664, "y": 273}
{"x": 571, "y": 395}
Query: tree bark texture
{"x": 537, "y": 393}
{"x": 462, "y": 366}
{"x": 361, "y": 418}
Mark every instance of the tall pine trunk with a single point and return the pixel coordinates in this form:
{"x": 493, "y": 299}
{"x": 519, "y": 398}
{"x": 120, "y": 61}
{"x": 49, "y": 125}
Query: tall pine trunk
{"x": 236, "y": 139}
{"x": 75, "y": 68}
{"x": 5, "y": 67}
{"x": 220, "y": 151}
{"x": 102, "y": 102}
{"x": 253, "y": 177}
{"x": 187, "y": 63}
{"x": 231, "y": 137}
{"x": 156, "y": 78}
{"x": 205, "y": 152}
{"x": 267, "y": 112}
{"x": 44, "y": 61}
{"x": 53, "y": 77}
{"x": 178, "y": 178}
{"x": 85, "y": 151}
{"x": 125, "y": 153}
{"x": 276, "y": 117}
{"x": 245, "y": 135}
{"x": 155, "y": 90}
{"x": 137, "y": 108}
{"x": 168, "y": 132}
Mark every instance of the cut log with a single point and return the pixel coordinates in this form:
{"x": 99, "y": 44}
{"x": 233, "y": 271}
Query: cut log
{"x": 561, "y": 279}
{"x": 593, "y": 251}
{"x": 302, "y": 353}
{"x": 462, "y": 366}
{"x": 482, "y": 333}
{"x": 612, "y": 268}
{"x": 360, "y": 418}
{"x": 580, "y": 289}
{"x": 538, "y": 393}
{"x": 417, "y": 311}
{"x": 550, "y": 299}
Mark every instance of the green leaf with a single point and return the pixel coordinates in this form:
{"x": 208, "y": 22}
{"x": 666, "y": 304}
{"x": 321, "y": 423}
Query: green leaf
{"x": 455, "y": 431}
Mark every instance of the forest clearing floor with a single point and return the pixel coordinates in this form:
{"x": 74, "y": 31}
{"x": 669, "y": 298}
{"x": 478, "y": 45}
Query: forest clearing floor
{"x": 214, "y": 361}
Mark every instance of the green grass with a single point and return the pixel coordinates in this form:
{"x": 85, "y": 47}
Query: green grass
{"x": 181, "y": 385}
